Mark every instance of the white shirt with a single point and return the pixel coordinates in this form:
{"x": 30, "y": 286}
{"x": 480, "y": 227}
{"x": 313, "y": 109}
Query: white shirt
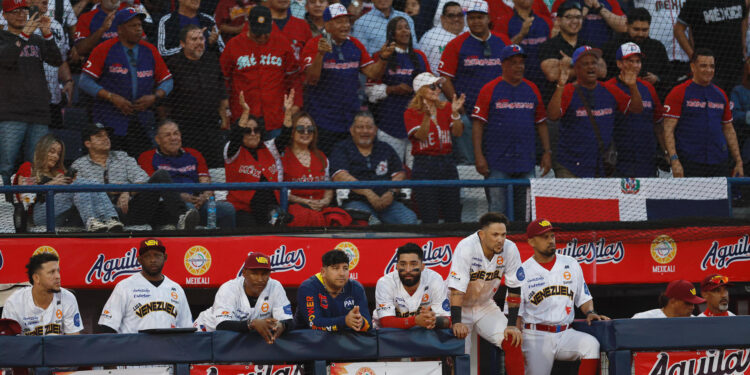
{"x": 550, "y": 297}
{"x": 655, "y": 313}
{"x": 439, "y": 12}
{"x": 433, "y": 43}
{"x": 231, "y": 303}
{"x": 51, "y": 72}
{"x": 136, "y": 304}
{"x": 391, "y": 299}
{"x": 703, "y": 315}
{"x": 60, "y": 317}
{"x": 479, "y": 277}
{"x": 663, "y": 17}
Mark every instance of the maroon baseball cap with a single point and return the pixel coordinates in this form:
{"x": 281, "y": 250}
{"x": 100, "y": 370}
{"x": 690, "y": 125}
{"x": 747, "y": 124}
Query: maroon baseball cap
{"x": 151, "y": 244}
{"x": 683, "y": 290}
{"x": 257, "y": 261}
{"x": 11, "y": 5}
{"x": 9, "y": 327}
{"x": 714, "y": 281}
{"x": 539, "y": 227}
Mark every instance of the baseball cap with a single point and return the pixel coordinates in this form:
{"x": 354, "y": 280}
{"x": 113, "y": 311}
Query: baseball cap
{"x": 425, "y": 79}
{"x": 683, "y": 290}
{"x": 478, "y": 6}
{"x": 566, "y": 6}
{"x": 11, "y": 5}
{"x": 9, "y": 327}
{"x": 510, "y": 51}
{"x": 628, "y": 49}
{"x": 126, "y": 14}
{"x": 585, "y": 50}
{"x": 714, "y": 281}
{"x": 151, "y": 244}
{"x": 93, "y": 129}
{"x": 539, "y": 227}
{"x": 260, "y": 20}
{"x": 257, "y": 260}
{"x": 334, "y": 11}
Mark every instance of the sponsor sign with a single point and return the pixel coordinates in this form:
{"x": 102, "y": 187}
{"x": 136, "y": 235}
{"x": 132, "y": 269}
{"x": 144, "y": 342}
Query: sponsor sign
{"x": 249, "y": 369}
{"x": 386, "y": 368}
{"x": 704, "y": 362}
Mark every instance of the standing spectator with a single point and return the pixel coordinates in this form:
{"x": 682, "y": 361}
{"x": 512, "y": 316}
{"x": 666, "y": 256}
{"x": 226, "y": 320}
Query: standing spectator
{"x": 697, "y": 140}
{"x": 231, "y": 16}
{"x": 507, "y": 113}
{"x": 636, "y": 134}
{"x": 581, "y": 146}
{"x": 298, "y": 8}
{"x": 24, "y": 97}
{"x": 654, "y": 61}
{"x": 96, "y": 26}
{"x": 168, "y": 34}
{"x": 470, "y": 61}
{"x": 295, "y": 29}
{"x": 435, "y": 40}
{"x": 718, "y": 25}
{"x": 529, "y": 29}
{"x": 314, "y": 16}
{"x": 66, "y": 14}
{"x": 502, "y": 11}
{"x": 184, "y": 165}
{"x": 664, "y": 16}
{"x": 332, "y": 65}
{"x": 678, "y": 301}
{"x": 261, "y": 64}
{"x": 741, "y": 111}
{"x": 364, "y": 158}
{"x": 370, "y": 29}
{"x": 393, "y": 92}
{"x": 199, "y": 100}
{"x": 714, "y": 291}
{"x": 430, "y": 124}
{"x": 124, "y": 100}
{"x": 556, "y": 52}
{"x": 600, "y": 19}
{"x": 104, "y": 166}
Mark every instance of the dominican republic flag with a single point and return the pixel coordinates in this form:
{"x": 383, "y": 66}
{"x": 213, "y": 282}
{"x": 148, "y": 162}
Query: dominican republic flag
{"x": 627, "y": 199}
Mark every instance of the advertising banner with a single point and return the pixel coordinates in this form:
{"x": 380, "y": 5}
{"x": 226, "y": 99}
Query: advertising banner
{"x": 386, "y": 368}
{"x": 245, "y": 370}
{"x": 699, "y": 362}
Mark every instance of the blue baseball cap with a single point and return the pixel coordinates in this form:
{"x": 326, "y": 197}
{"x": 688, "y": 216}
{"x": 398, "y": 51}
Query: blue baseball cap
{"x": 585, "y": 50}
{"x": 510, "y": 51}
{"x": 334, "y": 11}
{"x": 125, "y": 15}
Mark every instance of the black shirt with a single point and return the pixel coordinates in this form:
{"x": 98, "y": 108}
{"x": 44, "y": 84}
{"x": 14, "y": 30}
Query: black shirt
{"x": 551, "y": 50}
{"x": 198, "y": 89}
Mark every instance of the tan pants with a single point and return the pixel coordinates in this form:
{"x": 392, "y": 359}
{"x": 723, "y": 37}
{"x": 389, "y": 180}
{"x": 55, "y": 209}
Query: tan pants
{"x": 562, "y": 172}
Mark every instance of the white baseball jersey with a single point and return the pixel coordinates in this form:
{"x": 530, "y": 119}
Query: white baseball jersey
{"x": 60, "y": 317}
{"x": 663, "y": 17}
{"x": 231, "y": 303}
{"x": 655, "y": 313}
{"x": 479, "y": 277}
{"x": 136, "y": 304}
{"x": 392, "y": 299}
{"x": 550, "y": 297}
{"x": 703, "y": 315}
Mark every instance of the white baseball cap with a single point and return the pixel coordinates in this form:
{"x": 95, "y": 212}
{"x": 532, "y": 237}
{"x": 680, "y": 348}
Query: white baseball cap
{"x": 628, "y": 49}
{"x": 334, "y": 11}
{"x": 478, "y": 6}
{"x": 425, "y": 79}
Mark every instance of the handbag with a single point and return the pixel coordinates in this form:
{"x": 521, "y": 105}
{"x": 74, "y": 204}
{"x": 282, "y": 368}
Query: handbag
{"x": 608, "y": 157}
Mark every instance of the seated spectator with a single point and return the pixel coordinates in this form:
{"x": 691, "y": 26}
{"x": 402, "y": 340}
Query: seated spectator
{"x": 714, "y": 291}
{"x": 526, "y": 27}
{"x": 392, "y": 93}
{"x": 295, "y": 29}
{"x": 600, "y": 19}
{"x": 95, "y": 210}
{"x": 331, "y": 90}
{"x": 741, "y": 111}
{"x": 370, "y": 29}
{"x": 330, "y": 301}
{"x": 430, "y": 124}
{"x": 121, "y": 102}
{"x": 96, "y": 26}
{"x": 364, "y": 158}
{"x": 678, "y": 301}
{"x": 104, "y": 166}
{"x": 314, "y": 15}
{"x": 556, "y": 51}
{"x": 231, "y": 16}
{"x": 199, "y": 100}
{"x": 168, "y": 33}
{"x": 184, "y": 165}
{"x": 435, "y": 40}
{"x": 586, "y": 134}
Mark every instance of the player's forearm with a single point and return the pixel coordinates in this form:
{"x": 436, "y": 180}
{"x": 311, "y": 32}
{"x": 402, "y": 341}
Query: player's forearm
{"x": 233, "y": 325}
{"x": 587, "y": 307}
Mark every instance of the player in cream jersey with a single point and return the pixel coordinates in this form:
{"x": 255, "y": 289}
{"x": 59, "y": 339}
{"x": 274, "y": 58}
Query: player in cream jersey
{"x": 44, "y": 308}
{"x": 148, "y": 299}
{"x": 411, "y": 295}
{"x": 552, "y": 287}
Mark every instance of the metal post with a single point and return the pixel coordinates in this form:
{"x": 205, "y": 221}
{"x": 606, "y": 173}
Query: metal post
{"x": 284, "y": 199}
{"x": 509, "y": 202}
{"x": 51, "y": 211}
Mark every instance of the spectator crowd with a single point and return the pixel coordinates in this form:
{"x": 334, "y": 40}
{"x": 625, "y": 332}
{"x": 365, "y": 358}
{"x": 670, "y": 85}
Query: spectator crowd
{"x": 328, "y": 90}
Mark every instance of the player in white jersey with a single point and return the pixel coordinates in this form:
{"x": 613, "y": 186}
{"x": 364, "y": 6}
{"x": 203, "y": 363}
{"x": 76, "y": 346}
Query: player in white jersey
{"x": 44, "y": 308}
{"x": 252, "y": 301}
{"x": 552, "y": 287}
{"x": 679, "y": 301}
{"x": 714, "y": 291}
{"x": 411, "y": 295}
{"x": 479, "y": 263}
{"x": 147, "y": 299}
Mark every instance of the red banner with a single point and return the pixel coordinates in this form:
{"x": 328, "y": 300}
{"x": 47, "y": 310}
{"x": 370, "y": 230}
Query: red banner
{"x": 245, "y": 370}
{"x": 607, "y": 257}
{"x": 704, "y": 362}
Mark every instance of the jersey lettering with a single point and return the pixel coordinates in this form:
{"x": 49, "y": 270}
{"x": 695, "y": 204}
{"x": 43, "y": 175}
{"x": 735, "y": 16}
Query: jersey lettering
{"x": 49, "y": 329}
{"x": 154, "y": 306}
{"x": 552, "y": 290}
{"x": 484, "y": 275}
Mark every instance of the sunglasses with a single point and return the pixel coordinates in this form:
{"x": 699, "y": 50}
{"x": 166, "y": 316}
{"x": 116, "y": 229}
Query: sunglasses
{"x": 435, "y": 86}
{"x": 302, "y": 129}
{"x": 718, "y": 279}
{"x": 256, "y": 130}
{"x": 454, "y": 16}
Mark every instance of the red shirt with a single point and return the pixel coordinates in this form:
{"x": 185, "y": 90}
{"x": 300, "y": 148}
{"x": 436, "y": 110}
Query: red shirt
{"x": 243, "y": 167}
{"x": 438, "y": 140}
{"x": 294, "y": 171}
{"x": 298, "y": 31}
{"x": 233, "y": 12}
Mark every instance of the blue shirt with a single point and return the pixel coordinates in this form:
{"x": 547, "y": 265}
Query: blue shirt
{"x": 316, "y": 309}
{"x": 740, "y": 104}
{"x": 371, "y": 29}
{"x": 538, "y": 34}
{"x": 389, "y": 113}
{"x": 380, "y": 165}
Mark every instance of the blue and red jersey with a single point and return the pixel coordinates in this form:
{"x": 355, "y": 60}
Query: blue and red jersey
{"x": 595, "y": 30}
{"x": 333, "y": 101}
{"x": 510, "y": 114}
{"x": 578, "y": 147}
{"x": 316, "y": 309}
{"x": 464, "y": 60}
{"x": 186, "y": 167}
{"x": 538, "y": 34}
{"x": 91, "y": 21}
{"x": 702, "y": 112}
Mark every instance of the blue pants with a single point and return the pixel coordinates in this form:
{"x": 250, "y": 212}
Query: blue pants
{"x": 496, "y": 195}
{"x": 396, "y": 213}
{"x": 434, "y": 200}
{"x": 89, "y": 204}
{"x": 225, "y": 215}
{"x": 13, "y": 135}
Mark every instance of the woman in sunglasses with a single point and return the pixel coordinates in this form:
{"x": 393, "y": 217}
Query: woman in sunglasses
{"x": 430, "y": 124}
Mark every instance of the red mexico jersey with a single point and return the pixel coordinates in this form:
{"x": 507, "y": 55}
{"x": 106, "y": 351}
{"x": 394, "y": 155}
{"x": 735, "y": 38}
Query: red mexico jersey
{"x": 438, "y": 140}
{"x": 294, "y": 171}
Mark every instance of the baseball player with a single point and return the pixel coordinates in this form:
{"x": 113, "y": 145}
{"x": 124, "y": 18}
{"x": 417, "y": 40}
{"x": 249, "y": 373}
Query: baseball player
{"x": 479, "y": 263}
{"x": 551, "y": 284}
{"x": 251, "y": 302}
{"x": 411, "y": 295}
{"x": 678, "y": 301}
{"x": 714, "y": 291}
{"x": 147, "y": 299}
{"x": 44, "y": 308}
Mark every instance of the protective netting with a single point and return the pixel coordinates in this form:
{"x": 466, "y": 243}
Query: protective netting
{"x": 350, "y": 82}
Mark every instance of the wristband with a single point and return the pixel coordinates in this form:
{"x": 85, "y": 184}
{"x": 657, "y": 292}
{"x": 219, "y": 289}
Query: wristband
{"x": 514, "y": 299}
{"x": 512, "y": 316}
{"x": 590, "y": 312}
{"x": 455, "y": 314}
{"x": 674, "y": 157}
{"x": 458, "y": 117}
